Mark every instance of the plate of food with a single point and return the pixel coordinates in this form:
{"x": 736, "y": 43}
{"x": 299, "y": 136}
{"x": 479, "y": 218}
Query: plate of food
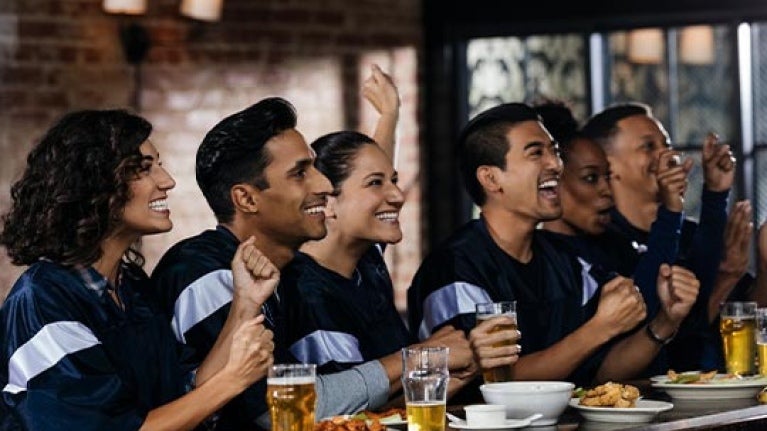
{"x": 615, "y": 402}
{"x": 365, "y": 420}
{"x": 697, "y": 385}
{"x": 643, "y": 411}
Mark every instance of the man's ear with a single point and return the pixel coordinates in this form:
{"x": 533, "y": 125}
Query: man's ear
{"x": 615, "y": 170}
{"x": 488, "y": 178}
{"x": 245, "y": 198}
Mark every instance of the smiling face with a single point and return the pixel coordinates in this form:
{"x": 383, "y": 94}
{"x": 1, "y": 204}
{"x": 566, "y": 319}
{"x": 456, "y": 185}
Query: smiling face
{"x": 633, "y": 154}
{"x": 146, "y": 211}
{"x": 529, "y": 186}
{"x": 291, "y": 209}
{"x": 368, "y": 205}
{"x": 586, "y": 195}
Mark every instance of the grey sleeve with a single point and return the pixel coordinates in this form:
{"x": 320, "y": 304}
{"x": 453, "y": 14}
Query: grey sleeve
{"x": 364, "y": 387}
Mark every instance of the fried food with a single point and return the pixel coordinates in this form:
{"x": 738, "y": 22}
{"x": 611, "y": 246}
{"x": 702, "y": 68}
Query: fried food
{"x": 340, "y": 423}
{"x": 611, "y": 394}
{"x": 363, "y": 421}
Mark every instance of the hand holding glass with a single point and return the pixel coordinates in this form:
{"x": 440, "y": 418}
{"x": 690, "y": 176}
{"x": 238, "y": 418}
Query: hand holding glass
{"x": 424, "y": 380}
{"x": 488, "y": 311}
{"x": 291, "y": 396}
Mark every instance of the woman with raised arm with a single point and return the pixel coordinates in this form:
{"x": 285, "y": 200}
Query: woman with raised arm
{"x": 82, "y": 345}
{"x": 337, "y": 294}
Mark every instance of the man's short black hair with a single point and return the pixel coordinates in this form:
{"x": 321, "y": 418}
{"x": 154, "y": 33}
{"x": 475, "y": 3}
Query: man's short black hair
{"x": 483, "y": 142}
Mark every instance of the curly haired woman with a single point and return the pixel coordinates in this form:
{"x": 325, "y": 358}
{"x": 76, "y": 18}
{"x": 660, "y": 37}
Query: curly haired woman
{"x": 81, "y": 345}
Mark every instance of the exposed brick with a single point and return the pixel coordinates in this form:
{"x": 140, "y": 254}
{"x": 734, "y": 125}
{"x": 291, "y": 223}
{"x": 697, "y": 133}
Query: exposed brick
{"x": 21, "y": 75}
{"x": 12, "y": 99}
{"x": 61, "y": 55}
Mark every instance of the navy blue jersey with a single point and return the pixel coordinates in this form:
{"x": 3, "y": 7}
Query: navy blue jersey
{"x": 697, "y": 344}
{"x": 194, "y": 281}
{"x": 336, "y": 322}
{"x": 73, "y": 360}
{"x": 470, "y": 268}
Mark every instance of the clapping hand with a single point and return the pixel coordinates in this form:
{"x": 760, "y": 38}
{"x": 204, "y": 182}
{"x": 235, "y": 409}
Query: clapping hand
{"x": 737, "y": 238}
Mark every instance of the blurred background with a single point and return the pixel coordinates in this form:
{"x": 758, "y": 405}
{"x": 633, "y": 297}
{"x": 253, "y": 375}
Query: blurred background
{"x": 185, "y": 64}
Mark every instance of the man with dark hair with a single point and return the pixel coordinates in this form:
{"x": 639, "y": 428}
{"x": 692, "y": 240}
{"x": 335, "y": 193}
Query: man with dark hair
{"x": 511, "y": 169}
{"x": 638, "y": 148}
{"x": 257, "y": 174}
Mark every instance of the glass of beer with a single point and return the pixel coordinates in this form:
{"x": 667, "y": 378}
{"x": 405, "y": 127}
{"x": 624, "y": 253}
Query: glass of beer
{"x": 737, "y": 324}
{"x": 491, "y": 310}
{"x": 291, "y": 397}
{"x": 761, "y": 340}
{"x": 424, "y": 380}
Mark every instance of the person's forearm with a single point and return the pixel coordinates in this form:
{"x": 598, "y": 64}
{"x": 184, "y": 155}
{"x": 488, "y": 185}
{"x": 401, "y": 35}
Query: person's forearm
{"x": 759, "y": 292}
{"x": 190, "y": 410}
{"x": 562, "y": 358}
{"x": 662, "y": 247}
{"x": 708, "y": 240}
{"x": 365, "y": 386}
{"x": 385, "y": 134}
{"x": 723, "y": 286}
{"x": 633, "y": 354}
{"x": 392, "y": 364}
{"x": 219, "y": 353}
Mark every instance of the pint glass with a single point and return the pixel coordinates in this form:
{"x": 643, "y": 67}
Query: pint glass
{"x": 424, "y": 380}
{"x": 291, "y": 397}
{"x": 737, "y": 325}
{"x": 761, "y": 340}
{"x": 488, "y": 311}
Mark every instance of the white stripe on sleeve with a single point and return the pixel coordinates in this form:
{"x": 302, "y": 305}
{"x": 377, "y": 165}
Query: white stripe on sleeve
{"x": 46, "y": 349}
{"x": 201, "y": 299}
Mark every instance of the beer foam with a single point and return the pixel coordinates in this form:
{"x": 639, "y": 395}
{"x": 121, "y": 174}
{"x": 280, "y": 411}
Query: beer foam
{"x": 298, "y": 380}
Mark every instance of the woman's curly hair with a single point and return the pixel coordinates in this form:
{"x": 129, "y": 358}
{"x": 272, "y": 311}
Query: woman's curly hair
{"x": 71, "y": 196}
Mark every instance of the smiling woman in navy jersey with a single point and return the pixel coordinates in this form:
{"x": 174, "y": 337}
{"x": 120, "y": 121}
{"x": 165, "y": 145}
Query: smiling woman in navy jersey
{"x": 337, "y": 294}
{"x": 81, "y": 343}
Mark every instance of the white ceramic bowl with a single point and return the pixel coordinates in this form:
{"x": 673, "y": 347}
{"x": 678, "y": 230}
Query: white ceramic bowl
{"x": 522, "y": 399}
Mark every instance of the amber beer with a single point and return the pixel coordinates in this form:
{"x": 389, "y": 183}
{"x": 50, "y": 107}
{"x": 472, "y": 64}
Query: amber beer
{"x": 425, "y": 416}
{"x": 761, "y": 351}
{"x": 761, "y": 340}
{"x": 737, "y": 325}
{"x": 488, "y": 311}
{"x": 291, "y": 399}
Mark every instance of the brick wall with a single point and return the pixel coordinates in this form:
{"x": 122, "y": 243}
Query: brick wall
{"x": 61, "y": 55}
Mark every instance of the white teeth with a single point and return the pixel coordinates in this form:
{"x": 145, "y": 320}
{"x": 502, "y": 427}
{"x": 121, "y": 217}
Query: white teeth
{"x": 388, "y": 216}
{"x": 547, "y": 184}
{"x": 315, "y": 210}
{"x": 159, "y": 205}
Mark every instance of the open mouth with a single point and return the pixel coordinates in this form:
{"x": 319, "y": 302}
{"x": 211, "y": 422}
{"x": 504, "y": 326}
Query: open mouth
{"x": 388, "y": 216}
{"x": 603, "y": 216}
{"x": 159, "y": 205}
{"x": 549, "y": 188}
{"x": 315, "y": 210}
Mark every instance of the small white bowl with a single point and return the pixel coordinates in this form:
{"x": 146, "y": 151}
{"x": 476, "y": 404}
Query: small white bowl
{"x": 485, "y": 415}
{"x": 522, "y": 399}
